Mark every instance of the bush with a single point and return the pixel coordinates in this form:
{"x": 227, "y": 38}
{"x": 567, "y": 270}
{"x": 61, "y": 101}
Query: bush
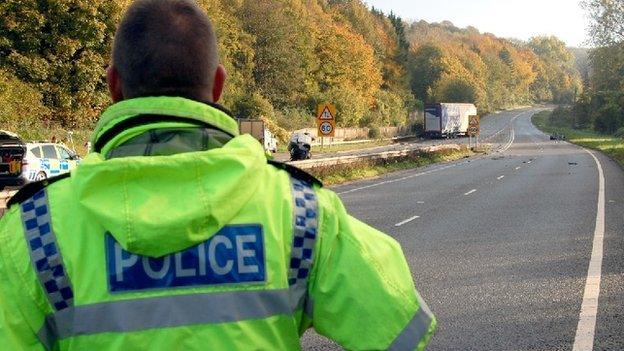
{"x": 562, "y": 117}
{"x": 254, "y": 106}
{"x": 21, "y": 104}
{"x": 418, "y": 129}
{"x": 374, "y": 132}
{"x": 294, "y": 118}
{"x": 620, "y": 133}
{"x": 609, "y": 118}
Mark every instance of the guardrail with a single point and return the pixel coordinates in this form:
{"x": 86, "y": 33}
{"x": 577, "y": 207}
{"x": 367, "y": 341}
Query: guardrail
{"x": 342, "y": 160}
{"x": 363, "y": 141}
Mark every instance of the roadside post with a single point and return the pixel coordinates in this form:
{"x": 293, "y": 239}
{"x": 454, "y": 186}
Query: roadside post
{"x": 325, "y": 121}
{"x": 474, "y": 129}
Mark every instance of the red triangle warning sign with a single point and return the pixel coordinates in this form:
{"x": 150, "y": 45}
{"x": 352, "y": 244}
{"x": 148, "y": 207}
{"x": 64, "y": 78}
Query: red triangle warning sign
{"x": 326, "y": 115}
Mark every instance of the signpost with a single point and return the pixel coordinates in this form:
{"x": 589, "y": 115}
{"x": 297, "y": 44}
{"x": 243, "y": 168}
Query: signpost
{"x": 474, "y": 128}
{"x": 326, "y": 121}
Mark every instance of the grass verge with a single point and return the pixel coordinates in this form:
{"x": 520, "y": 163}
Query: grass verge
{"x": 332, "y": 175}
{"x": 608, "y": 144}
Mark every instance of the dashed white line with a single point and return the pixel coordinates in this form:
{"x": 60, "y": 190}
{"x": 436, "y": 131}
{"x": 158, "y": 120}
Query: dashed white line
{"x": 470, "y": 192}
{"x": 501, "y": 177}
{"x": 406, "y": 221}
{"x": 517, "y": 168}
{"x": 420, "y": 202}
{"x": 585, "y": 332}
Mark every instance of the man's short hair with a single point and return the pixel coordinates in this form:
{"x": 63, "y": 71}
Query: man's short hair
{"x": 166, "y": 48}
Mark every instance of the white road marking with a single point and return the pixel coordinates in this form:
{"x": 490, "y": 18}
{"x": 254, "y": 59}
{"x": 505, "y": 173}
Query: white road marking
{"x": 470, "y": 192}
{"x": 510, "y": 122}
{"x": 511, "y": 140}
{"x": 433, "y": 170}
{"x": 501, "y": 177}
{"x": 406, "y": 221}
{"x": 585, "y": 332}
{"x": 517, "y": 168}
{"x": 400, "y": 179}
{"x": 420, "y": 202}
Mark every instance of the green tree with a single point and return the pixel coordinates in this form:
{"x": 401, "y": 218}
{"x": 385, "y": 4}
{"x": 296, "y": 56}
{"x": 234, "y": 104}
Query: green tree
{"x": 426, "y": 70}
{"x": 62, "y": 48}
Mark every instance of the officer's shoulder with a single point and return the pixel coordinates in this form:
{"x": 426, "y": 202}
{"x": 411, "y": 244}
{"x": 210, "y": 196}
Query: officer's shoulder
{"x": 296, "y": 172}
{"x": 29, "y": 190}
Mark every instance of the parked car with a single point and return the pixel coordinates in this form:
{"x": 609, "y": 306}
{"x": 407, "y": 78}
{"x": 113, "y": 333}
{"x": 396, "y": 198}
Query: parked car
{"x": 12, "y": 151}
{"x": 28, "y": 162}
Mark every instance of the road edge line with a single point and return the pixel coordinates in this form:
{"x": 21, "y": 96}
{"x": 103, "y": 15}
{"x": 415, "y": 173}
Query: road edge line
{"x": 586, "y": 329}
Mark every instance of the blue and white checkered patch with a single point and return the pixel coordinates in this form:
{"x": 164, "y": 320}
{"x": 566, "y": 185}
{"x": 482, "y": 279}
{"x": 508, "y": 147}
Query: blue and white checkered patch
{"x": 44, "y": 252}
{"x": 305, "y": 228}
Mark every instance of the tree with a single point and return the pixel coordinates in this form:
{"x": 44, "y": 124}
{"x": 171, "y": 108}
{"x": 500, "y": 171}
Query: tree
{"x": 62, "y": 48}
{"x": 426, "y": 70}
{"x": 607, "y": 26}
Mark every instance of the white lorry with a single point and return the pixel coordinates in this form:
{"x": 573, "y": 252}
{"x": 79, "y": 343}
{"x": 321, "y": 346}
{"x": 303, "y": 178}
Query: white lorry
{"x": 258, "y": 130}
{"x": 447, "y": 120}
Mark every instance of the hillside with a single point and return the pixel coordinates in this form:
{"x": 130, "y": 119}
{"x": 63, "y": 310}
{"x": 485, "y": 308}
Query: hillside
{"x": 283, "y": 57}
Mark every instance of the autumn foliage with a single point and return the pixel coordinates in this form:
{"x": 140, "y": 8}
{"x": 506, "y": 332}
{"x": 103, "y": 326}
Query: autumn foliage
{"x": 282, "y": 57}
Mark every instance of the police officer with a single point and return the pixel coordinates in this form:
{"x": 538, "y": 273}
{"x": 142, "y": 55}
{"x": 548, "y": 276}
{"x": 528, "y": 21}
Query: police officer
{"x": 175, "y": 233}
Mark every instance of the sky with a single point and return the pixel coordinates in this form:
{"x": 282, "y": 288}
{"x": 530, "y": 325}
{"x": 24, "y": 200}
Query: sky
{"x": 520, "y": 19}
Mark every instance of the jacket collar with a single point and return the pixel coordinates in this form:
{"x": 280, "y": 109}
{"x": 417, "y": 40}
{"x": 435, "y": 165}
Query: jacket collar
{"x": 127, "y": 114}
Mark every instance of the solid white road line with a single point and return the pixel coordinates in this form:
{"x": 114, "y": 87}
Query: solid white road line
{"x": 585, "y": 332}
{"x": 511, "y": 140}
{"x": 406, "y": 221}
{"x": 470, "y": 192}
{"x": 501, "y": 177}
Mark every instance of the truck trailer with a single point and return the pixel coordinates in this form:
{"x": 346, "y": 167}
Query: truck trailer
{"x": 447, "y": 120}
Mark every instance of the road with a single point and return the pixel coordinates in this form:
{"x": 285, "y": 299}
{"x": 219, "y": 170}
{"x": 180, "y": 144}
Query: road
{"x": 500, "y": 245}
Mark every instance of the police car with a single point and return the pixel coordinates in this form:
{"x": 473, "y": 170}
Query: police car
{"x": 45, "y": 160}
{"x": 22, "y": 162}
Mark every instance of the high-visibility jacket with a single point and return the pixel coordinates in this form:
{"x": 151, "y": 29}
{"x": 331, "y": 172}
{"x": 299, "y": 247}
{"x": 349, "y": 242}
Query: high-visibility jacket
{"x": 204, "y": 250}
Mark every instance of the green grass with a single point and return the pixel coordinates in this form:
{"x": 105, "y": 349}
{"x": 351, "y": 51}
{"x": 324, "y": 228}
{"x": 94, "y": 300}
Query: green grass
{"x": 332, "y": 175}
{"x": 316, "y": 149}
{"x": 608, "y": 144}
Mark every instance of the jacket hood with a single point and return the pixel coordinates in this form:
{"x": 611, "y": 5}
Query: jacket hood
{"x": 158, "y": 205}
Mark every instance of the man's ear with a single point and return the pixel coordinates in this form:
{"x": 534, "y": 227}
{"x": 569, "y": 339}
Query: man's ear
{"x": 114, "y": 84}
{"x": 219, "y": 83}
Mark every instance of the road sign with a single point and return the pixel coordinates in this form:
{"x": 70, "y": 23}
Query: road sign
{"x": 326, "y": 120}
{"x": 474, "y": 126}
{"x": 474, "y": 121}
{"x": 326, "y": 129}
{"x": 326, "y": 112}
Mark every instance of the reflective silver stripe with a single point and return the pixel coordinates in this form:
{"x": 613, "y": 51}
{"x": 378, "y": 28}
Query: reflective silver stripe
{"x": 305, "y": 226}
{"x": 44, "y": 251}
{"x": 168, "y": 312}
{"x": 415, "y": 330}
{"x": 47, "y": 336}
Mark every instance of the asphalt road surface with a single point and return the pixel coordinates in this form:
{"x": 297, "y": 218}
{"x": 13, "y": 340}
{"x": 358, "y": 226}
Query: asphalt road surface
{"x": 500, "y": 245}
